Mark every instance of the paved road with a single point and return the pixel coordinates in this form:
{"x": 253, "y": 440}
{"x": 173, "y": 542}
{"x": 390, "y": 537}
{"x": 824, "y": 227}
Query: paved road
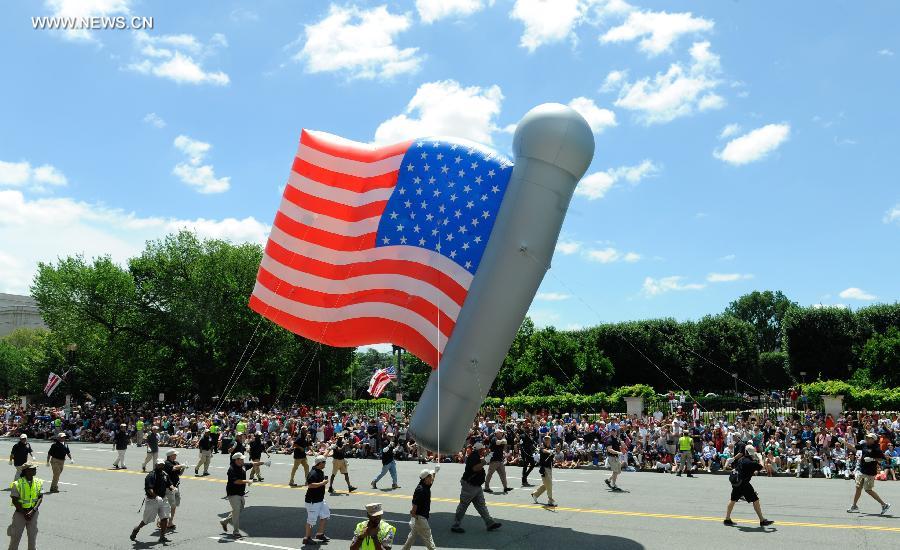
{"x": 97, "y": 508}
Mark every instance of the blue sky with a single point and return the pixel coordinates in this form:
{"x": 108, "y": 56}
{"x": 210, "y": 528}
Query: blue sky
{"x": 740, "y": 145}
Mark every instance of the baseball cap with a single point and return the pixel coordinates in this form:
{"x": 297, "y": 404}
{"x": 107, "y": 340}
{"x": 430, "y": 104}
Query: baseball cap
{"x": 61, "y": 435}
{"x": 425, "y": 473}
{"x": 23, "y": 436}
{"x": 478, "y": 445}
{"x": 871, "y": 435}
{"x": 237, "y": 456}
{"x": 320, "y": 459}
{"x": 160, "y": 462}
{"x": 171, "y": 452}
{"x": 374, "y": 509}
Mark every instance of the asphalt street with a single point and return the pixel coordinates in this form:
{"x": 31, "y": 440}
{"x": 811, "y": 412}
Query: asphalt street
{"x": 97, "y": 508}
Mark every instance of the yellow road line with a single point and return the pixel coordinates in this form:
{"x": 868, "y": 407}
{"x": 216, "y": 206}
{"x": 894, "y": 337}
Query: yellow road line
{"x": 537, "y": 506}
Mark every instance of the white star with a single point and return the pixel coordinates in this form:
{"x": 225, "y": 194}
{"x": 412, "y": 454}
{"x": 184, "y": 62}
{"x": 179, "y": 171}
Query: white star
{"x": 458, "y": 213}
{"x": 424, "y": 155}
{"x": 385, "y": 240}
{"x": 478, "y": 179}
{"x": 402, "y": 240}
{"x": 407, "y": 204}
{"x": 504, "y": 166}
{"x": 419, "y": 144}
{"x": 477, "y": 240}
{"x": 495, "y": 189}
{"x": 437, "y": 192}
{"x": 485, "y": 214}
{"x": 446, "y": 221}
{"x": 416, "y": 228}
{"x": 426, "y": 167}
{"x": 468, "y": 265}
{"x": 465, "y": 246}
{"x": 429, "y": 216}
{"x": 417, "y": 180}
{"x": 419, "y": 191}
{"x": 451, "y": 184}
{"x": 457, "y": 160}
{"x": 475, "y": 222}
{"x": 462, "y": 173}
{"x": 434, "y": 232}
{"x": 462, "y": 229}
{"x": 491, "y": 173}
{"x": 394, "y": 215}
{"x": 409, "y": 167}
{"x": 422, "y": 242}
{"x": 402, "y": 191}
{"x": 440, "y": 156}
{"x": 424, "y": 204}
{"x": 441, "y": 208}
{"x": 445, "y": 169}
{"x": 437, "y": 247}
{"x": 470, "y": 204}
{"x": 453, "y": 196}
{"x": 484, "y": 197}
{"x": 471, "y": 150}
{"x": 412, "y": 215}
{"x": 435, "y": 144}
{"x": 467, "y": 188}
{"x": 400, "y": 227}
{"x": 449, "y": 236}
{"x": 474, "y": 165}
{"x": 431, "y": 180}
{"x": 453, "y": 254}
{"x": 453, "y": 147}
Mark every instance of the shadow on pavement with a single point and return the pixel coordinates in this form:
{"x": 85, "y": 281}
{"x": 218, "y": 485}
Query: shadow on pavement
{"x": 289, "y": 523}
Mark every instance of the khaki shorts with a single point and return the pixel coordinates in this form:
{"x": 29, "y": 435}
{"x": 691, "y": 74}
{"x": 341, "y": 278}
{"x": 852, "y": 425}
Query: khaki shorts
{"x": 338, "y": 465}
{"x": 864, "y": 482}
{"x": 154, "y": 507}
{"x": 615, "y": 464}
{"x": 174, "y": 498}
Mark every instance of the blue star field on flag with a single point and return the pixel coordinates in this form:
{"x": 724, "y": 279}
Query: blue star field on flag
{"x": 446, "y": 200}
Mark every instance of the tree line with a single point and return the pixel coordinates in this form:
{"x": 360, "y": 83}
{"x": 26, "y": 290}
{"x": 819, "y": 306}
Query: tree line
{"x": 175, "y": 320}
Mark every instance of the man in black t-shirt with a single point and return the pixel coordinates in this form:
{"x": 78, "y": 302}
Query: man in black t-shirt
{"x": 614, "y": 454}
{"x": 20, "y": 454}
{"x": 316, "y": 507}
{"x": 421, "y": 511}
{"x": 235, "y": 489}
{"x": 152, "y": 448}
{"x": 174, "y": 471}
{"x": 868, "y": 468}
{"x": 257, "y": 448}
{"x": 156, "y": 485}
{"x": 471, "y": 491}
{"x": 120, "y": 444}
{"x": 302, "y": 441}
{"x": 56, "y": 458}
{"x": 746, "y": 466}
{"x": 498, "y": 461}
{"x": 526, "y": 450}
{"x": 205, "y": 446}
{"x": 339, "y": 464}
{"x": 545, "y": 463}
{"x": 388, "y": 464}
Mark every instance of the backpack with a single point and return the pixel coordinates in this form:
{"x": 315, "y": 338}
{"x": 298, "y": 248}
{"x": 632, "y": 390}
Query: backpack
{"x": 735, "y": 478}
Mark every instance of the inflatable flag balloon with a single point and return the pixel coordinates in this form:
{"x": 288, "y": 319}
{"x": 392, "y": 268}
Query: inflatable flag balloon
{"x": 437, "y": 245}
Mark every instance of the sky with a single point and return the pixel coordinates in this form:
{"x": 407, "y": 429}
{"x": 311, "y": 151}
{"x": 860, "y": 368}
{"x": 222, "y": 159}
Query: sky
{"x": 739, "y": 145}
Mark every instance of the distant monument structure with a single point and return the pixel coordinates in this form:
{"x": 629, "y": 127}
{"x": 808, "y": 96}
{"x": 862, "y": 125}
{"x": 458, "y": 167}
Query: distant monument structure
{"x": 18, "y": 312}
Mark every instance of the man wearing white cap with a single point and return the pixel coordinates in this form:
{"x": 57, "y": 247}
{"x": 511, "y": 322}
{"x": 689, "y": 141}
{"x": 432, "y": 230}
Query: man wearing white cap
{"x": 56, "y": 459}
{"x": 20, "y": 454}
{"x": 235, "y": 489}
{"x": 374, "y": 533}
{"x": 421, "y": 511}
{"x": 498, "y": 461}
{"x": 316, "y": 508}
{"x": 471, "y": 491}
{"x": 868, "y": 468}
{"x": 152, "y": 448}
{"x": 156, "y": 485}
{"x": 120, "y": 444}
{"x": 744, "y": 469}
{"x": 174, "y": 471}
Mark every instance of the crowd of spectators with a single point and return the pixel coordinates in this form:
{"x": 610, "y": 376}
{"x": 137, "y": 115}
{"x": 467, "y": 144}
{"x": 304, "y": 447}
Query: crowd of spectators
{"x": 804, "y": 443}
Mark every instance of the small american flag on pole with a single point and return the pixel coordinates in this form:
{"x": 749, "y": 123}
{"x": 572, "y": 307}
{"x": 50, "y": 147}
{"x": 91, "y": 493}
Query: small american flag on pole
{"x": 380, "y": 379}
{"x": 53, "y": 381}
{"x": 379, "y": 244}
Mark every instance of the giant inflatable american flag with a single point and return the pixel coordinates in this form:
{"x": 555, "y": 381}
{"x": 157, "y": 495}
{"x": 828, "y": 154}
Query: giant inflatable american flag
{"x": 379, "y": 244}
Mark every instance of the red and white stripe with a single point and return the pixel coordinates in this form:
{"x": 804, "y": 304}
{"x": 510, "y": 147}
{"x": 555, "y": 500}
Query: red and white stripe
{"x": 378, "y": 382}
{"x": 322, "y": 276}
{"x": 53, "y": 381}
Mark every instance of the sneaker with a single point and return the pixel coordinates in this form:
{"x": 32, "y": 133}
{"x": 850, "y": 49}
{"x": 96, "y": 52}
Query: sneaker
{"x": 690, "y": 475}
{"x": 237, "y": 535}
{"x": 853, "y": 509}
{"x": 331, "y": 491}
{"x": 374, "y": 486}
{"x": 885, "y": 507}
{"x": 678, "y": 474}
{"x": 766, "y": 522}
{"x": 323, "y": 537}
{"x": 534, "y": 498}
{"x": 489, "y": 490}
{"x": 457, "y": 529}
{"x": 196, "y": 472}
{"x": 507, "y": 489}
{"x": 262, "y": 479}
{"x": 54, "y": 490}
{"x": 134, "y": 534}
{"x": 494, "y": 526}
{"x": 351, "y": 489}
{"x": 526, "y": 484}
{"x": 552, "y": 504}
{"x": 163, "y": 539}
{"x": 224, "y": 525}
{"x": 308, "y": 540}
{"x": 608, "y": 484}
{"x": 728, "y": 522}
{"x": 617, "y": 489}
{"x": 395, "y": 486}
{"x": 292, "y": 484}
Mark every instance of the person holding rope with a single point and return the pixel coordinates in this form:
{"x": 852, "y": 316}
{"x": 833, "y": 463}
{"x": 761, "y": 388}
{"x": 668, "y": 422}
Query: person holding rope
{"x": 236, "y": 491}
{"x": 257, "y": 448}
{"x": 205, "y": 446}
{"x": 174, "y": 471}
{"x": 498, "y": 461}
{"x": 746, "y": 465}
{"x": 545, "y": 463}
{"x": 56, "y": 459}
{"x": 20, "y": 455}
{"x": 615, "y": 455}
{"x": 120, "y": 444}
{"x": 339, "y": 464}
{"x": 421, "y": 510}
{"x": 388, "y": 463}
{"x": 471, "y": 491}
{"x": 526, "y": 450}
{"x": 316, "y": 507}
{"x": 868, "y": 467}
{"x": 301, "y": 443}
{"x": 152, "y": 448}
{"x": 155, "y": 504}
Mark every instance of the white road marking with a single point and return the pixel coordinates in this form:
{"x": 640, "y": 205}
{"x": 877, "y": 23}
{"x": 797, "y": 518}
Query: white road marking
{"x": 241, "y": 541}
{"x": 64, "y": 483}
{"x": 570, "y": 481}
{"x": 346, "y": 516}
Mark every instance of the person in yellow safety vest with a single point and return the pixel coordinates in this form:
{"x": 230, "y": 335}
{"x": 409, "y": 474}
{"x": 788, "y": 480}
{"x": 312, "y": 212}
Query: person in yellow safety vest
{"x": 373, "y": 534}
{"x": 214, "y": 436}
{"x": 241, "y": 427}
{"x": 686, "y": 449}
{"x": 26, "y": 497}
{"x": 139, "y": 432}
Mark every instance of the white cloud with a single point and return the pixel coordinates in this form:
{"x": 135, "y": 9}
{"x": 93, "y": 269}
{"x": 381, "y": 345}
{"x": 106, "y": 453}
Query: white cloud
{"x": 178, "y": 57}
{"x": 727, "y": 277}
{"x": 154, "y": 120}
{"x": 32, "y": 231}
{"x": 728, "y": 258}
{"x": 676, "y": 93}
{"x": 446, "y": 108}
{"x": 193, "y": 172}
{"x": 552, "y": 296}
{"x": 655, "y": 287}
{"x": 611, "y": 255}
{"x": 886, "y": 52}
{"x": 658, "y": 30}
{"x": 548, "y": 21}
{"x": 359, "y": 43}
{"x": 754, "y": 145}
{"x": 567, "y": 248}
{"x": 854, "y": 293}
{"x": 543, "y": 318}
{"x": 595, "y": 186}
{"x": 434, "y": 10}
{"x": 86, "y": 8}
{"x": 22, "y": 174}
{"x": 892, "y": 215}
{"x": 598, "y": 119}
{"x": 729, "y": 130}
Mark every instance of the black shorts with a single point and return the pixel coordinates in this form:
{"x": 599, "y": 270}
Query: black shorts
{"x": 745, "y": 491}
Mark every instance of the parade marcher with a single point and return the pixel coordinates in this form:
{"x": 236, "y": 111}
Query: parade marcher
{"x": 139, "y": 432}
{"x": 214, "y": 433}
{"x": 301, "y": 442}
{"x": 374, "y": 533}
{"x": 868, "y": 468}
{"x": 744, "y": 469}
{"x": 257, "y": 448}
{"x": 614, "y": 452}
{"x": 421, "y": 511}
{"x": 205, "y": 445}
{"x": 388, "y": 464}
{"x": 471, "y": 491}
{"x": 498, "y": 461}
{"x": 235, "y": 490}
{"x": 120, "y": 444}
{"x": 174, "y": 471}
{"x": 526, "y": 450}
{"x": 152, "y": 448}
{"x": 26, "y": 496}
{"x": 56, "y": 459}
{"x": 316, "y": 507}
{"x": 545, "y": 465}
{"x": 20, "y": 454}
{"x": 686, "y": 453}
{"x": 237, "y": 446}
{"x": 339, "y": 464}
{"x": 156, "y": 485}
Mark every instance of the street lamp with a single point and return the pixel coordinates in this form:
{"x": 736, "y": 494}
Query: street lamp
{"x": 803, "y": 376}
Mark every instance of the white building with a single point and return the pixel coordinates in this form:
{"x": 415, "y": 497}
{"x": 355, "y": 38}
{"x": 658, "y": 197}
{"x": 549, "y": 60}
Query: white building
{"x": 18, "y": 312}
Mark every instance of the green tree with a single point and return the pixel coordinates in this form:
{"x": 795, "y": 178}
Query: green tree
{"x": 881, "y": 355}
{"x": 820, "y": 341}
{"x": 765, "y": 311}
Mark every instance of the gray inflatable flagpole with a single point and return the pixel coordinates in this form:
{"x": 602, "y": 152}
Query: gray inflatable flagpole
{"x": 553, "y": 147}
